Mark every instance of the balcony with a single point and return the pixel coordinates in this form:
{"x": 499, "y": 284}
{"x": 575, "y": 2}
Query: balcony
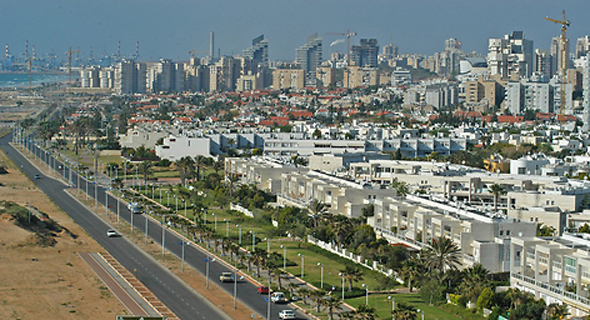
{"x": 568, "y": 297}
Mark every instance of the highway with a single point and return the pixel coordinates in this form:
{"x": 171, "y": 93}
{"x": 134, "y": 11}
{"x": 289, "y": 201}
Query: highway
{"x": 171, "y": 290}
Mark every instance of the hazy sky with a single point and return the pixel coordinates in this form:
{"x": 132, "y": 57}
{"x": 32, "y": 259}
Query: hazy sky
{"x": 170, "y": 28}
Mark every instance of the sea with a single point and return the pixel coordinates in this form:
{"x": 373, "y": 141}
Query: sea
{"x": 21, "y": 80}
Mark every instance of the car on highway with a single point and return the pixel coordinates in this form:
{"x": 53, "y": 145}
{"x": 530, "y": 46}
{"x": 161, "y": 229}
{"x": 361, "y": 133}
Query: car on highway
{"x": 226, "y": 277}
{"x": 111, "y": 233}
{"x": 262, "y": 290}
{"x": 37, "y": 176}
{"x": 287, "y": 314}
{"x": 278, "y": 297}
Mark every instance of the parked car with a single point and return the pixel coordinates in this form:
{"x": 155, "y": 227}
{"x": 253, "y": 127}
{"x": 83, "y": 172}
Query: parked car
{"x": 37, "y": 176}
{"x": 278, "y": 297}
{"x": 226, "y": 277}
{"x": 111, "y": 233}
{"x": 287, "y": 314}
{"x": 263, "y": 290}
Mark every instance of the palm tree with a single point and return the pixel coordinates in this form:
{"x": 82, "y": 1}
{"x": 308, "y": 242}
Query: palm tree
{"x": 557, "y": 311}
{"x": 401, "y": 187}
{"x": 199, "y": 163}
{"x": 185, "y": 166}
{"x": 317, "y": 209}
{"x": 145, "y": 169}
{"x": 497, "y": 190}
{"x": 442, "y": 254}
{"x": 475, "y": 279}
{"x": 411, "y": 271}
{"x": 332, "y": 305}
{"x": 404, "y": 312}
{"x": 364, "y": 312}
{"x": 259, "y": 256}
{"x": 234, "y": 249}
{"x": 352, "y": 274}
{"x": 317, "y": 296}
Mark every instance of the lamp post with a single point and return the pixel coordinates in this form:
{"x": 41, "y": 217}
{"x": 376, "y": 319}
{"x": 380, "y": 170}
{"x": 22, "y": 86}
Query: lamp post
{"x": 267, "y": 247}
{"x": 422, "y": 311}
{"x": 183, "y": 200}
{"x": 208, "y": 260}
{"x": 366, "y": 286}
{"x": 392, "y": 303}
{"x": 302, "y": 265}
{"x": 253, "y": 239}
{"x": 226, "y": 228}
{"x": 240, "y": 237}
{"x": 284, "y": 257}
{"x": 342, "y": 275}
{"x": 321, "y": 275}
{"x": 215, "y": 221}
{"x": 164, "y": 237}
{"x": 176, "y": 197}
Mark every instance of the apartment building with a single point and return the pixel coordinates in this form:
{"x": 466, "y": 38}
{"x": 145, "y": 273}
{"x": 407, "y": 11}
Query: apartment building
{"x": 288, "y": 79}
{"x": 555, "y": 269}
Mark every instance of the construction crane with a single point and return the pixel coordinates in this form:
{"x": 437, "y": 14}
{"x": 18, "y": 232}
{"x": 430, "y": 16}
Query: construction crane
{"x": 69, "y": 53}
{"x": 348, "y": 34}
{"x": 563, "y": 61}
{"x": 192, "y": 52}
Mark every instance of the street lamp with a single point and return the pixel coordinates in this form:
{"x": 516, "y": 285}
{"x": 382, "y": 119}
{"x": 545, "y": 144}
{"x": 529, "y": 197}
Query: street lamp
{"x": 253, "y": 239}
{"x": 422, "y": 311}
{"x": 240, "y": 237}
{"x": 184, "y": 200}
{"x": 267, "y": 247}
{"x": 226, "y": 228}
{"x": 366, "y": 286}
{"x": 208, "y": 260}
{"x": 342, "y": 275}
{"x": 392, "y": 303}
{"x": 215, "y": 221}
{"x": 284, "y": 257}
{"x": 321, "y": 275}
{"x": 302, "y": 265}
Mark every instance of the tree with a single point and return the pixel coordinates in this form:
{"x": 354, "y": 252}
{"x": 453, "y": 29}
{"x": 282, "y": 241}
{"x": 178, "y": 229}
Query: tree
{"x": 404, "y": 311}
{"x": 475, "y": 279}
{"x": 486, "y": 299}
{"x": 442, "y": 254}
{"x": 317, "y": 209}
{"x": 352, "y": 274}
{"x": 332, "y": 304}
{"x": 185, "y": 166}
{"x": 145, "y": 169}
{"x": 411, "y": 271}
{"x": 317, "y": 296}
{"x": 368, "y": 211}
{"x": 557, "y": 311}
{"x": 401, "y": 187}
{"x": 364, "y": 312}
{"x": 199, "y": 164}
{"x": 497, "y": 190}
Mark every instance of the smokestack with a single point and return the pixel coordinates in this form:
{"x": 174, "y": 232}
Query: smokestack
{"x": 7, "y": 52}
{"x": 137, "y": 51}
{"x": 211, "y": 44}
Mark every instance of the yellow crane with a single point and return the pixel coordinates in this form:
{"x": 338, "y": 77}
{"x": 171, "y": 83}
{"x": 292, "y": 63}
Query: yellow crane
{"x": 563, "y": 61}
{"x": 69, "y": 53}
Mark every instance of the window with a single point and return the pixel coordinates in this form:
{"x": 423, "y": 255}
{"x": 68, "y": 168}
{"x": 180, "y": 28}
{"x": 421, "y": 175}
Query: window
{"x": 501, "y": 232}
{"x": 570, "y": 265}
{"x": 521, "y": 170}
{"x": 507, "y": 232}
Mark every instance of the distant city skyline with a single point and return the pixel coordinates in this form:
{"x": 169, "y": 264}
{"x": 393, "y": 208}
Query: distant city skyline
{"x": 171, "y": 28}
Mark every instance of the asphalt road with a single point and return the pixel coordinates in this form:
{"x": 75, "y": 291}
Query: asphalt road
{"x": 171, "y": 290}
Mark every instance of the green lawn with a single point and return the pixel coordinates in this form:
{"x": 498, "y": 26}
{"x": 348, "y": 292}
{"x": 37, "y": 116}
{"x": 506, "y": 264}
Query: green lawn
{"x": 384, "y": 305}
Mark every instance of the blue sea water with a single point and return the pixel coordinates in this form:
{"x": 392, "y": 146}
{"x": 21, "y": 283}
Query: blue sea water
{"x": 20, "y": 80}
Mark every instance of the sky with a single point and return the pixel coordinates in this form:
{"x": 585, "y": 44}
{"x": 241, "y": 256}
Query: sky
{"x": 171, "y": 28}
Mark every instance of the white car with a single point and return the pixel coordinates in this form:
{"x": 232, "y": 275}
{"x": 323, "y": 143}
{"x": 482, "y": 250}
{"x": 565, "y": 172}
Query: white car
{"x": 112, "y": 233}
{"x": 287, "y": 314}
